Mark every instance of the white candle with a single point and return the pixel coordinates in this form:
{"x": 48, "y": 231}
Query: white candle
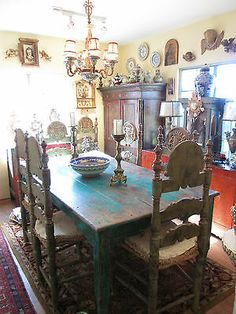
{"x": 117, "y": 127}
{"x": 72, "y": 118}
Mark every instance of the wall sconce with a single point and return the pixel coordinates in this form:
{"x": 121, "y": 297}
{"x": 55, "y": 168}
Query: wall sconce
{"x": 170, "y": 109}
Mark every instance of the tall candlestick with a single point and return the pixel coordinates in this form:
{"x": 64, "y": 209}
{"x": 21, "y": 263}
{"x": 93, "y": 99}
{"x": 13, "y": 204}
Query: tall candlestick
{"x": 72, "y": 118}
{"x": 119, "y": 176}
{"x": 117, "y": 127}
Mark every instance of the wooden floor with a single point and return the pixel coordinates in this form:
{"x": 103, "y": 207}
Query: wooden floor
{"x": 216, "y": 253}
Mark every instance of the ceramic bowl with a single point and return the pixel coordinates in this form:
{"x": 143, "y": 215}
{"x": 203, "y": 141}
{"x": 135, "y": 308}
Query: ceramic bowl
{"x": 89, "y": 166}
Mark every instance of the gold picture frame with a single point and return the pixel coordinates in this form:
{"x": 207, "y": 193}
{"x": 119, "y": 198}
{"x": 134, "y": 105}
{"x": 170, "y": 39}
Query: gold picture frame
{"x": 28, "y": 51}
{"x": 85, "y": 95}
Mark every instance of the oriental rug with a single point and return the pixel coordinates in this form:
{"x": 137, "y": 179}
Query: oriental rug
{"x": 13, "y": 296}
{"x": 219, "y": 282}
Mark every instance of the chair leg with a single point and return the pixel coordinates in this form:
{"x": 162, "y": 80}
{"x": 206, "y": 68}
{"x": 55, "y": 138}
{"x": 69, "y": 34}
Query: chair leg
{"x": 51, "y": 249}
{"x": 153, "y": 287}
{"x": 24, "y": 224}
{"x": 199, "y": 273}
{"x": 38, "y": 257}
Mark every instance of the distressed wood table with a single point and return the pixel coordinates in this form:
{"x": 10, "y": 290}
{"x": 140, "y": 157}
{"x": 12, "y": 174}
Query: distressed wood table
{"x": 106, "y": 214}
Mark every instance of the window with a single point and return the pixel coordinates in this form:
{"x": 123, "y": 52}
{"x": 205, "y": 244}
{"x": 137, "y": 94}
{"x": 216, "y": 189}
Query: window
{"x": 25, "y": 95}
{"x": 224, "y": 87}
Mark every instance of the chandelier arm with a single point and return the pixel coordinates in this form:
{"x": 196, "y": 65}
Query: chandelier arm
{"x": 108, "y": 71}
{"x": 70, "y": 70}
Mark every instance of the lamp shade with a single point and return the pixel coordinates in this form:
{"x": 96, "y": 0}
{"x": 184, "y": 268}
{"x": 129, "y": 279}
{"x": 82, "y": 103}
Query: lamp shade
{"x": 171, "y": 109}
{"x": 94, "y": 50}
{"x": 230, "y": 111}
{"x": 69, "y": 49}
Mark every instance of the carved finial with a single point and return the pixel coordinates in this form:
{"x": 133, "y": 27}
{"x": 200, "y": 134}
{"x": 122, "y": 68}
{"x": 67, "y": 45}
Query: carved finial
{"x": 157, "y": 168}
{"x": 195, "y": 135}
{"x": 160, "y": 136}
{"x": 208, "y": 156}
{"x": 44, "y": 155}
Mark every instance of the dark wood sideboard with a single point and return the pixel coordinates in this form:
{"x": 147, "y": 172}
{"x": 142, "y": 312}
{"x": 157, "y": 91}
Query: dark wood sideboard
{"x": 137, "y": 103}
{"x": 223, "y": 181}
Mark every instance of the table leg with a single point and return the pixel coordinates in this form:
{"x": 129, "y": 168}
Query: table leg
{"x": 102, "y": 273}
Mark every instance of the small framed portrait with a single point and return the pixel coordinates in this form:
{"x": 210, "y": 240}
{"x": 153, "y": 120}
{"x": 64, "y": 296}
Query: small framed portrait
{"x": 171, "y": 52}
{"x": 85, "y": 95}
{"x": 28, "y": 51}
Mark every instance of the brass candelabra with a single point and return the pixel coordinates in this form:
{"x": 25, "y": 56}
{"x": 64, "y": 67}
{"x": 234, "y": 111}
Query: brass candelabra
{"x": 119, "y": 176}
{"x": 73, "y": 142}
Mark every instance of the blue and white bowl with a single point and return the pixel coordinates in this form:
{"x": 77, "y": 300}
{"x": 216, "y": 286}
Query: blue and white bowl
{"x": 89, "y": 166}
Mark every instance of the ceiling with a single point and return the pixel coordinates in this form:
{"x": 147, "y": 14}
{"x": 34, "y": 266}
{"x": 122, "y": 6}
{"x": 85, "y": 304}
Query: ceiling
{"x": 126, "y": 20}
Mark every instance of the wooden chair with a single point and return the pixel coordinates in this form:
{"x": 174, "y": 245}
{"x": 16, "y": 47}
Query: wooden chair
{"x": 21, "y": 168}
{"x": 167, "y": 243}
{"x": 132, "y": 143}
{"x": 53, "y": 231}
{"x": 57, "y": 138}
{"x": 87, "y": 135}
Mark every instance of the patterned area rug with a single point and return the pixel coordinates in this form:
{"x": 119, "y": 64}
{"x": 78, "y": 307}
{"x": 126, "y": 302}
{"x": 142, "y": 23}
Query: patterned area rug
{"x": 219, "y": 283}
{"x": 13, "y": 296}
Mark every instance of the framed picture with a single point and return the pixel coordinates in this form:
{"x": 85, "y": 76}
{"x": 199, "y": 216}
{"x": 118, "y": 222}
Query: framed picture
{"x": 171, "y": 52}
{"x": 28, "y": 51}
{"x": 171, "y": 86}
{"x": 85, "y": 95}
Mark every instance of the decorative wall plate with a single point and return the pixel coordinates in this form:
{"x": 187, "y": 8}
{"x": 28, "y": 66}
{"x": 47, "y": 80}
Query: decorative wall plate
{"x": 130, "y": 64}
{"x": 155, "y": 59}
{"x": 143, "y": 51}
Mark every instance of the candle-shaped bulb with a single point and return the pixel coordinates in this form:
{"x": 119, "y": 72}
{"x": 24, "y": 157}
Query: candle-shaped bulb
{"x": 117, "y": 127}
{"x": 72, "y": 118}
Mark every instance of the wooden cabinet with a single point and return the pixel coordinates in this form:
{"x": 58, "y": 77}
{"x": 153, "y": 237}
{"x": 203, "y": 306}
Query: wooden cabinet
{"x": 136, "y": 103}
{"x": 223, "y": 180}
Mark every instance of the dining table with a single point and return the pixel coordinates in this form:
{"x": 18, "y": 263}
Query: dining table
{"x": 105, "y": 213}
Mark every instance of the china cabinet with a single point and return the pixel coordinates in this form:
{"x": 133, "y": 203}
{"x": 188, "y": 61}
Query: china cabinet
{"x": 205, "y": 116}
{"x": 138, "y": 104}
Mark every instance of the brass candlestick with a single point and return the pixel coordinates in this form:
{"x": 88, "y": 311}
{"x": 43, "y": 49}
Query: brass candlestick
{"x": 73, "y": 142}
{"x": 119, "y": 172}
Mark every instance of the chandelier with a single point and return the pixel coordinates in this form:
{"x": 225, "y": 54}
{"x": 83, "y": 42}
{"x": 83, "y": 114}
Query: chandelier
{"x": 85, "y": 62}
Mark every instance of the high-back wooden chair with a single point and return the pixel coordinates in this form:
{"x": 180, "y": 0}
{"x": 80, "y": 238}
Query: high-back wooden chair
{"x": 87, "y": 134}
{"x": 53, "y": 229}
{"x": 167, "y": 243}
{"x": 21, "y": 166}
{"x": 132, "y": 144}
{"x": 57, "y": 139}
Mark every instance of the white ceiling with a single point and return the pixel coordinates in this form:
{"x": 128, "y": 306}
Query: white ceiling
{"x": 126, "y": 20}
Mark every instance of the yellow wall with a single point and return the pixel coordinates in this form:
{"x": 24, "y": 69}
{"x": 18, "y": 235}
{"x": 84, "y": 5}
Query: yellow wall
{"x": 189, "y": 39}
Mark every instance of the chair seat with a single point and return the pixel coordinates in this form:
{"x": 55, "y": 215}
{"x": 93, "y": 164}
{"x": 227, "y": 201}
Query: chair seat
{"x": 168, "y": 255}
{"x": 65, "y": 230}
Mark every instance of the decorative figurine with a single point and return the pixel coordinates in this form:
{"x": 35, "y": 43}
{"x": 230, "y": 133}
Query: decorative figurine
{"x": 158, "y": 78}
{"x": 189, "y": 56}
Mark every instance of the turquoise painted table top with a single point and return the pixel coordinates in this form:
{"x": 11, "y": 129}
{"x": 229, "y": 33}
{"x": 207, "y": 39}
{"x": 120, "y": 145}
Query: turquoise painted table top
{"x": 102, "y": 205}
